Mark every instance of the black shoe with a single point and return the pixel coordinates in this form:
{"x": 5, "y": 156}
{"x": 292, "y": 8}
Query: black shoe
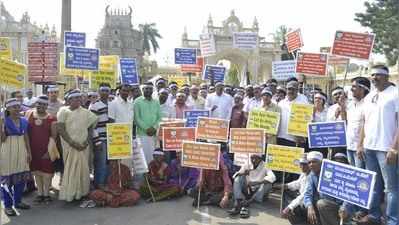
{"x": 10, "y": 212}
{"x": 234, "y": 211}
{"x": 22, "y": 206}
{"x": 39, "y": 199}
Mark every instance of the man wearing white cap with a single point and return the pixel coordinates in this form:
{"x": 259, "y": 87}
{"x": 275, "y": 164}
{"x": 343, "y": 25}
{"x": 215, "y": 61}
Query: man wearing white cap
{"x": 194, "y": 100}
{"x": 29, "y": 100}
{"x": 321, "y": 209}
{"x": 254, "y": 102}
{"x": 292, "y": 201}
{"x": 251, "y": 183}
{"x": 166, "y": 109}
{"x": 219, "y": 103}
{"x": 74, "y": 125}
{"x": 378, "y": 145}
{"x": 54, "y": 104}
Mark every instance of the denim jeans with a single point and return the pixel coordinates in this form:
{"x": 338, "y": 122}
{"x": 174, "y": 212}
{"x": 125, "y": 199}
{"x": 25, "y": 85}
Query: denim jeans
{"x": 100, "y": 164}
{"x": 354, "y": 160}
{"x": 387, "y": 176}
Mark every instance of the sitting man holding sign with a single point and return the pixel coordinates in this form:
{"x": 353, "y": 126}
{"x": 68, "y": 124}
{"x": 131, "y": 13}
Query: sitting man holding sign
{"x": 251, "y": 183}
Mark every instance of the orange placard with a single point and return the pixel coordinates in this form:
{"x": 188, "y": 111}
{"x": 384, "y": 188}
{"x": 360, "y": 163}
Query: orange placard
{"x": 212, "y": 129}
{"x": 170, "y": 123}
{"x": 311, "y": 63}
{"x": 200, "y": 155}
{"x": 173, "y": 137}
{"x": 294, "y": 40}
{"x": 247, "y": 140}
{"x": 195, "y": 68}
{"x": 354, "y": 45}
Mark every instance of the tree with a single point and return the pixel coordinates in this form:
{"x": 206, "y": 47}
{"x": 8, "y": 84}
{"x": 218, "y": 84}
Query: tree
{"x": 150, "y": 37}
{"x": 232, "y": 77}
{"x": 279, "y": 35}
{"x": 382, "y": 17}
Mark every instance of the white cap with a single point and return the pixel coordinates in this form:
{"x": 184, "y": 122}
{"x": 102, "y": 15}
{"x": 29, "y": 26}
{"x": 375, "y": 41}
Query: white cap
{"x": 313, "y": 155}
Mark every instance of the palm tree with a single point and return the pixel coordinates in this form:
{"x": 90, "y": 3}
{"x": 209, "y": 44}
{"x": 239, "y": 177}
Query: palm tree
{"x": 279, "y": 34}
{"x": 150, "y": 36}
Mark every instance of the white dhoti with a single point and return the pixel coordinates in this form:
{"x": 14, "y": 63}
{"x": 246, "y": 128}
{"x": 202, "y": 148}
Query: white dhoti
{"x": 149, "y": 144}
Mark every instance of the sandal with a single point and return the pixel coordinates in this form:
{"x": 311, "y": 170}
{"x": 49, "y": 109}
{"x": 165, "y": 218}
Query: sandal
{"x": 234, "y": 211}
{"x": 22, "y": 206}
{"x": 244, "y": 213}
{"x": 10, "y": 212}
{"x": 91, "y": 204}
{"x": 84, "y": 204}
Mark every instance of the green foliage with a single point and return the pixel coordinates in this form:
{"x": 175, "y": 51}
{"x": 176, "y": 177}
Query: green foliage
{"x": 232, "y": 76}
{"x": 150, "y": 37}
{"x": 382, "y": 17}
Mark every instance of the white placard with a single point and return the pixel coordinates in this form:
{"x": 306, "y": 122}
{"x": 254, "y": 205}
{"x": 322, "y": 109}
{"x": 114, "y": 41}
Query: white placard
{"x": 282, "y": 70}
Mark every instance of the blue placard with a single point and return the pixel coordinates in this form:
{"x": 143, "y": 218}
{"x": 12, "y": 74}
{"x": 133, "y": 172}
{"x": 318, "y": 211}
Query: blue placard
{"x": 191, "y": 116}
{"x": 81, "y": 58}
{"x": 185, "y": 56}
{"x": 328, "y": 134}
{"x": 129, "y": 73}
{"x": 348, "y": 183}
{"x": 218, "y": 73}
{"x": 75, "y": 39}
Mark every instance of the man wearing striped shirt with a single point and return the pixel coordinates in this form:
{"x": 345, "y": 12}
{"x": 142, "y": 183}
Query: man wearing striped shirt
{"x": 100, "y": 108}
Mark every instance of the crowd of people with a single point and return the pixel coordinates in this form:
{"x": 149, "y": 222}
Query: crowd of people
{"x": 43, "y": 135}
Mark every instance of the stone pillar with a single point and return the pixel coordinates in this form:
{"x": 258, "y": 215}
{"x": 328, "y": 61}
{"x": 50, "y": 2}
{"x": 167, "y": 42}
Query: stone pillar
{"x": 65, "y": 20}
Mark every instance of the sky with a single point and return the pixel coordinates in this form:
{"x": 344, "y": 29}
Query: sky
{"x": 318, "y": 19}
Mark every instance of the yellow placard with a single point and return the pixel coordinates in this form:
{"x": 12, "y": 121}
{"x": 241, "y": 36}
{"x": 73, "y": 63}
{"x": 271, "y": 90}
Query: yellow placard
{"x": 5, "y": 48}
{"x": 119, "y": 140}
{"x": 300, "y": 116}
{"x": 71, "y": 72}
{"x": 12, "y": 74}
{"x": 267, "y": 120}
{"x": 109, "y": 62}
{"x": 284, "y": 158}
{"x": 180, "y": 80}
{"x": 102, "y": 76}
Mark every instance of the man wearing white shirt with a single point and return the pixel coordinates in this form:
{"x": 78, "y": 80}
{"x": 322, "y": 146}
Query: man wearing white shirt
{"x": 195, "y": 101}
{"x": 334, "y": 111}
{"x": 219, "y": 103}
{"x": 29, "y": 100}
{"x": 378, "y": 145}
{"x": 249, "y": 93}
{"x": 255, "y": 102}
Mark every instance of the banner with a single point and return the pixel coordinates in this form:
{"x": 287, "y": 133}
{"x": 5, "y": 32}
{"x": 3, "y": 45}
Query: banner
{"x": 191, "y": 116}
{"x": 171, "y": 123}
{"x": 195, "y": 68}
{"x": 245, "y": 40}
{"x": 311, "y": 63}
{"x": 74, "y": 39}
{"x": 267, "y": 120}
{"x": 12, "y": 74}
{"x": 82, "y": 58}
{"x": 327, "y": 134}
{"x": 109, "y": 62}
{"x": 207, "y": 45}
{"x": 241, "y": 159}
{"x": 347, "y": 183}
{"x": 282, "y": 70}
{"x": 200, "y": 155}
{"x": 212, "y": 129}
{"x": 245, "y": 140}
{"x": 353, "y": 45}
{"x": 119, "y": 140}
{"x": 129, "y": 72}
{"x": 300, "y": 116}
{"x": 332, "y": 59}
{"x": 216, "y": 72}
{"x": 42, "y": 61}
{"x": 185, "y": 56}
{"x": 102, "y": 76}
{"x": 173, "y": 137}
{"x": 180, "y": 80}
{"x": 284, "y": 158}
{"x": 294, "y": 40}
{"x": 71, "y": 72}
{"x": 5, "y": 48}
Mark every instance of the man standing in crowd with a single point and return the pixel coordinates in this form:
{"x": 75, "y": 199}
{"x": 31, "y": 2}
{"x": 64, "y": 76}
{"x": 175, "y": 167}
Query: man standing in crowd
{"x": 147, "y": 115}
{"x": 219, "y": 103}
{"x": 194, "y": 101}
{"x": 334, "y": 111}
{"x": 54, "y": 103}
{"x": 74, "y": 125}
{"x": 249, "y": 94}
{"x": 100, "y": 109}
{"x": 29, "y": 100}
{"x": 166, "y": 109}
{"x": 180, "y": 106}
{"x": 255, "y": 102}
{"x": 238, "y": 119}
{"x": 378, "y": 146}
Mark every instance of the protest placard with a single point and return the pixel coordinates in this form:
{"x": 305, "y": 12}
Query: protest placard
{"x": 180, "y": 80}
{"x": 119, "y": 140}
{"x": 194, "y": 68}
{"x": 212, "y": 129}
{"x": 185, "y": 56}
{"x": 5, "y": 48}
{"x": 294, "y": 40}
{"x": 71, "y": 72}
{"x": 217, "y": 73}
{"x": 82, "y": 58}
{"x": 200, "y": 155}
{"x": 207, "y": 45}
{"x": 169, "y": 123}
{"x": 347, "y": 183}
{"x": 75, "y": 39}
{"x": 284, "y": 158}
{"x": 173, "y": 137}
{"x": 42, "y": 61}
{"x": 12, "y": 74}
{"x": 267, "y": 120}
{"x": 247, "y": 140}
{"x": 311, "y": 63}
{"x": 241, "y": 159}
{"x": 245, "y": 40}
{"x": 129, "y": 72}
{"x": 102, "y": 76}
{"x": 353, "y": 45}
{"x": 191, "y": 116}
{"x": 327, "y": 134}
{"x": 300, "y": 116}
{"x": 282, "y": 70}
